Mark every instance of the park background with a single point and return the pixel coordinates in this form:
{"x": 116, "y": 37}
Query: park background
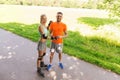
{"x": 93, "y": 26}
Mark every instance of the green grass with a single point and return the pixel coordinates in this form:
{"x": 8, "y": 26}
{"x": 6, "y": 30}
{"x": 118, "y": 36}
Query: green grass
{"x": 27, "y": 31}
{"x": 96, "y": 22}
{"x": 95, "y": 50}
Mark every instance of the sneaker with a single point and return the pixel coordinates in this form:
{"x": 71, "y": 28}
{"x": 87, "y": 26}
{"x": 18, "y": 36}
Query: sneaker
{"x": 49, "y": 67}
{"x": 42, "y": 64}
{"x": 61, "y": 65}
{"x": 40, "y": 72}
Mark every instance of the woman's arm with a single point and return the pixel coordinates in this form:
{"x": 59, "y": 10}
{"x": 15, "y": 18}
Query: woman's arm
{"x": 40, "y": 29}
{"x": 42, "y": 33}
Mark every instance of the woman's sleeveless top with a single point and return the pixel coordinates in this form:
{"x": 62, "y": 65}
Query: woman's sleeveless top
{"x": 44, "y": 29}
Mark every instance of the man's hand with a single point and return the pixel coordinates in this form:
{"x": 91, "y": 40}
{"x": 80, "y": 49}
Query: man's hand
{"x": 59, "y": 36}
{"x": 62, "y": 36}
{"x": 53, "y": 38}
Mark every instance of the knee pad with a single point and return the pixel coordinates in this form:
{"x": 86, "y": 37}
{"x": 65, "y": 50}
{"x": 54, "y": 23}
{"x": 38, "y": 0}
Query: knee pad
{"x": 40, "y": 57}
{"x": 52, "y": 50}
{"x": 44, "y": 54}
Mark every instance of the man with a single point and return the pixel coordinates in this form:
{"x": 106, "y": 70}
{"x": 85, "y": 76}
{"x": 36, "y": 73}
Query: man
{"x": 58, "y": 31}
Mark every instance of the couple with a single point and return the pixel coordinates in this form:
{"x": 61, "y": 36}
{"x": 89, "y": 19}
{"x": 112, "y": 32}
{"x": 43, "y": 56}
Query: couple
{"x": 58, "y": 31}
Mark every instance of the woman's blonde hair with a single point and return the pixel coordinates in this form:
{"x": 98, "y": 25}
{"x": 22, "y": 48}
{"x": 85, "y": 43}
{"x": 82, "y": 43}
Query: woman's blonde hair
{"x": 41, "y": 17}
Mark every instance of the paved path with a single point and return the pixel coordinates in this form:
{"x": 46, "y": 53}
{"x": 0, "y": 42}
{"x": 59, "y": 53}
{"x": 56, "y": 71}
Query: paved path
{"x": 18, "y": 62}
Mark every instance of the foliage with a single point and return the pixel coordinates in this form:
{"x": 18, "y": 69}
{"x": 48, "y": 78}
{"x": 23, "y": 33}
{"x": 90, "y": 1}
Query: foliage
{"x": 90, "y": 4}
{"x": 69, "y": 4}
{"x": 113, "y": 6}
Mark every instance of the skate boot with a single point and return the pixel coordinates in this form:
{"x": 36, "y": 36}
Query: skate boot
{"x": 40, "y": 72}
{"x": 42, "y": 64}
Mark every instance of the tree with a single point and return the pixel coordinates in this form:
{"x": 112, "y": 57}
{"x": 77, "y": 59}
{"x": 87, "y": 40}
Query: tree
{"x": 113, "y": 6}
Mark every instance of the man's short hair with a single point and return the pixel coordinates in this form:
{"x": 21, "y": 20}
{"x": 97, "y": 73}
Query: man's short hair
{"x": 60, "y": 13}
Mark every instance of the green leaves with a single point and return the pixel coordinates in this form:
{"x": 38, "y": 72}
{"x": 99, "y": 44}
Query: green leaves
{"x": 113, "y": 6}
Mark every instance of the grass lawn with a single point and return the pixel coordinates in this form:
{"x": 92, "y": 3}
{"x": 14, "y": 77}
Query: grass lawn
{"x": 91, "y": 49}
{"x": 96, "y": 22}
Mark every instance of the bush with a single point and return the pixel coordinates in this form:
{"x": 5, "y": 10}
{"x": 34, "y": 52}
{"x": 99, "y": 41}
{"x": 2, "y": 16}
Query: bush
{"x": 113, "y": 6}
{"x": 69, "y": 4}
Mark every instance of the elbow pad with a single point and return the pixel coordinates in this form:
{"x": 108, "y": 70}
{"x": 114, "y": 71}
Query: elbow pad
{"x": 43, "y": 36}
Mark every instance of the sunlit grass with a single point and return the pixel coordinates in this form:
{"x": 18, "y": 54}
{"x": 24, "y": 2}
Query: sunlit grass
{"x": 102, "y": 27}
{"x": 96, "y": 22}
{"x": 92, "y": 49}
{"x": 28, "y": 31}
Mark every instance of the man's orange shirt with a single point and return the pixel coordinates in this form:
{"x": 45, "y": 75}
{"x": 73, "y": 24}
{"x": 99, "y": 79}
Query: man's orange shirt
{"x": 58, "y": 29}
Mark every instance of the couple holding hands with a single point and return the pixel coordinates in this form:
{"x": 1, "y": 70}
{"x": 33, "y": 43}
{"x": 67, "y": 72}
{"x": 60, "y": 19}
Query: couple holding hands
{"x": 58, "y": 31}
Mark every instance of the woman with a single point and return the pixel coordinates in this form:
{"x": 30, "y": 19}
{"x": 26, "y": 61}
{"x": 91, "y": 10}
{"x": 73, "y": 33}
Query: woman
{"x": 42, "y": 44}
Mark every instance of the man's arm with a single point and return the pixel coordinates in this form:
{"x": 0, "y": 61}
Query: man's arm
{"x": 65, "y": 32}
{"x": 64, "y": 36}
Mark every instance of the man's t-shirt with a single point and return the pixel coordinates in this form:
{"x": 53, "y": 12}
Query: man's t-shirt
{"x": 58, "y": 29}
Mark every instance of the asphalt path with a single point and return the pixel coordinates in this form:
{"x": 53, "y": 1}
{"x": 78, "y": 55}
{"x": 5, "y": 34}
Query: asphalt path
{"x": 18, "y": 62}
